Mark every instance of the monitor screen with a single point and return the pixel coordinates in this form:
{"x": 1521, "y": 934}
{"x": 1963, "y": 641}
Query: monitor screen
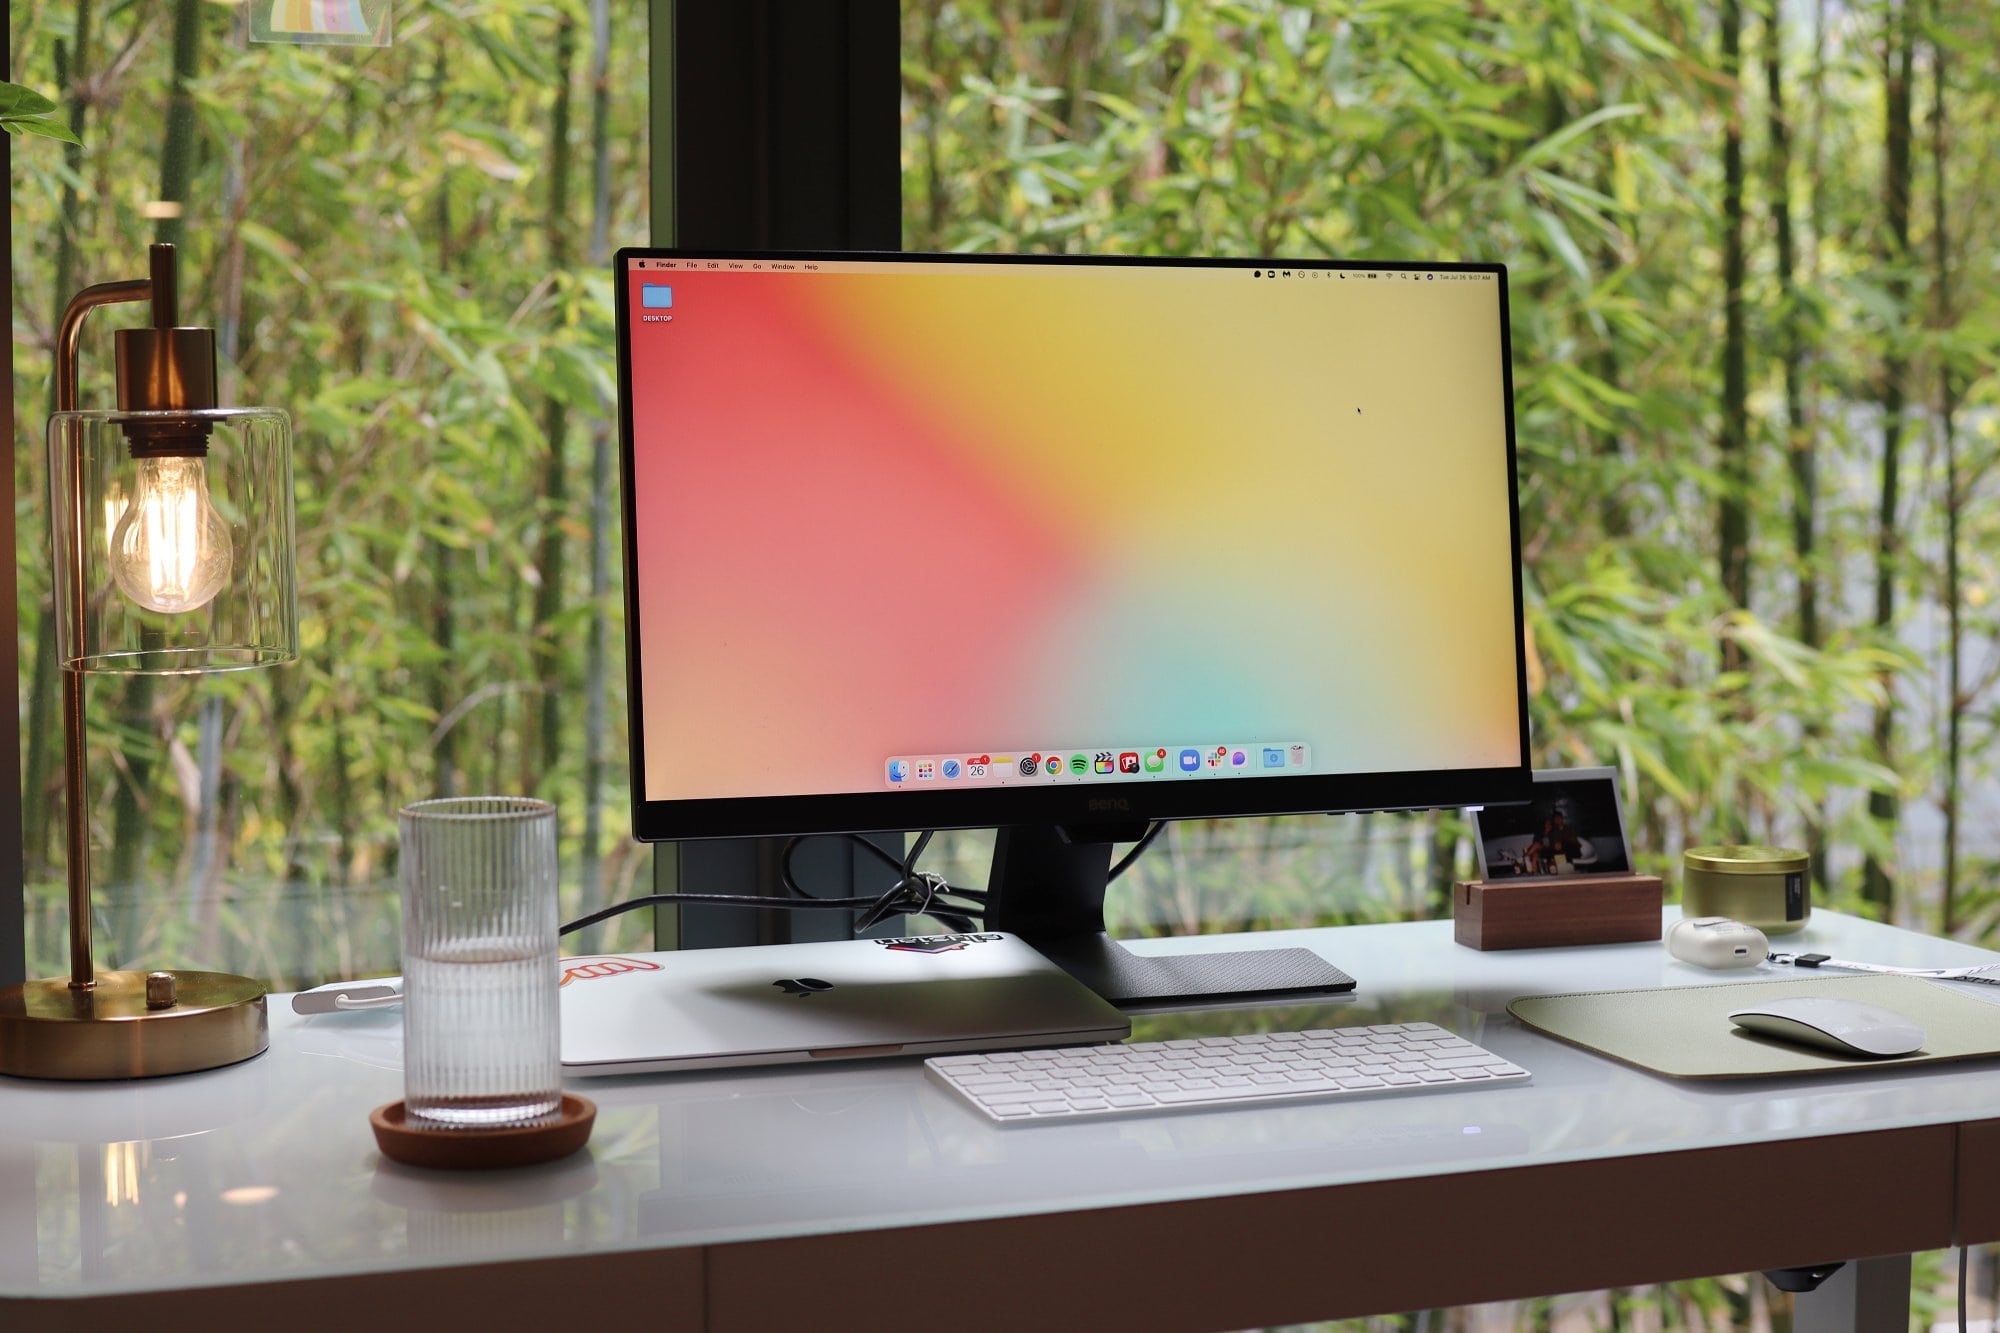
{"x": 921, "y": 541}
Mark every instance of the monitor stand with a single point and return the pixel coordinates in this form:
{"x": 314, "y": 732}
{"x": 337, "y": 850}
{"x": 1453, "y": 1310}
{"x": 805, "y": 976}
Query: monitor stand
{"x": 1047, "y": 886}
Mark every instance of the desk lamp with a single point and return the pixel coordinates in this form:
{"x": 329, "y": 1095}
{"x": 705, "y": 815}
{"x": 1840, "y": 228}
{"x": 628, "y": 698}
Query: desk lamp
{"x": 170, "y": 527}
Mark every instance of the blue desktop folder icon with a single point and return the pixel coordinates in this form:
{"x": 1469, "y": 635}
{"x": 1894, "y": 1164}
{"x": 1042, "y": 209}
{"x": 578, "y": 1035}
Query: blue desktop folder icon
{"x": 656, "y": 296}
{"x": 1273, "y": 757}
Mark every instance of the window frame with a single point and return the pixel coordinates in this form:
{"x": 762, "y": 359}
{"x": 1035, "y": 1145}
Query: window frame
{"x": 13, "y": 921}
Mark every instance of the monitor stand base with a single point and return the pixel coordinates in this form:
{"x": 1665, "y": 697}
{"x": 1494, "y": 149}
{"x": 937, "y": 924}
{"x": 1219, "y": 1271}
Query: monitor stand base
{"x": 1126, "y": 978}
{"x": 1047, "y": 887}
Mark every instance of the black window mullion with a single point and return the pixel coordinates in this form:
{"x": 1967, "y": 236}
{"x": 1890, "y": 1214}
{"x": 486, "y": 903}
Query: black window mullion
{"x": 776, "y": 126}
{"x": 784, "y": 131}
{"x": 13, "y": 876}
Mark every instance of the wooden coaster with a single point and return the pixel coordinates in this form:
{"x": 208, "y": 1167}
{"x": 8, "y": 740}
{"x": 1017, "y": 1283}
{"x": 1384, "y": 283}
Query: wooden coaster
{"x": 483, "y": 1149}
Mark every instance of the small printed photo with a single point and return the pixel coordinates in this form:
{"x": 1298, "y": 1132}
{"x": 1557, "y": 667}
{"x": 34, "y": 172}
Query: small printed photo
{"x": 323, "y": 22}
{"x": 1573, "y": 826}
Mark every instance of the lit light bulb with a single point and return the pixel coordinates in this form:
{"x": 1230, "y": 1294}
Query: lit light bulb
{"x": 170, "y": 550}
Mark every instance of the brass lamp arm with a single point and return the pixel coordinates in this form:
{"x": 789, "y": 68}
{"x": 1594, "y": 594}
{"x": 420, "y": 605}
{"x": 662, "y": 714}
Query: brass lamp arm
{"x": 70, "y": 332}
{"x": 82, "y": 971}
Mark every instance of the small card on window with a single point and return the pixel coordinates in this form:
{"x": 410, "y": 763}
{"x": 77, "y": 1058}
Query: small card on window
{"x": 322, "y": 22}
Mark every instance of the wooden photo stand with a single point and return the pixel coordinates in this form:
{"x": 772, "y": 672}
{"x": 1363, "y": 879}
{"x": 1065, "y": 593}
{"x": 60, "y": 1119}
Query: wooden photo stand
{"x": 1549, "y": 913}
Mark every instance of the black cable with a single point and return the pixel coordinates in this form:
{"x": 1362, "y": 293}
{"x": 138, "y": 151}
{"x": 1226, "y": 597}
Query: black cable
{"x": 709, "y": 899}
{"x": 1138, "y": 848}
{"x": 932, "y": 884}
{"x": 792, "y": 846}
{"x": 900, "y": 866}
{"x": 901, "y": 898}
{"x": 913, "y": 893}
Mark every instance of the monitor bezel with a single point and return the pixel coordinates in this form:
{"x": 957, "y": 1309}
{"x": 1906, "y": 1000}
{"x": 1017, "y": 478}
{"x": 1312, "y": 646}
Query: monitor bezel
{"x": 1074, "y": 806}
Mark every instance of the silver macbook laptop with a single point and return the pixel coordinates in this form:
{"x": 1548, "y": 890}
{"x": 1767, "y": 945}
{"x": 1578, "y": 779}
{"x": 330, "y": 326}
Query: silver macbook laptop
{"x": 843, "y": 1000}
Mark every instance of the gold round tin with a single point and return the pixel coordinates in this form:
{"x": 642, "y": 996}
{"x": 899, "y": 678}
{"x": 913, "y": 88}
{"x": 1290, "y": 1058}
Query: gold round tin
{"x": 1763, "y": 887}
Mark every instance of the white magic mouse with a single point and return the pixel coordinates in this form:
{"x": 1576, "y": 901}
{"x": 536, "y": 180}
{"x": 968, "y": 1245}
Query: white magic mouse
{"x": 1845, "y": 1027}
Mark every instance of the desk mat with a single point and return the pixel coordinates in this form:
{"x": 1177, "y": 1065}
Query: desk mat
{"x": 1685, "y": 1032}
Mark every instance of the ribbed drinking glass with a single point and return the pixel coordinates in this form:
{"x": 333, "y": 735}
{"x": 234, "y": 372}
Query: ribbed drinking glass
{"x": 480, "y": 1031}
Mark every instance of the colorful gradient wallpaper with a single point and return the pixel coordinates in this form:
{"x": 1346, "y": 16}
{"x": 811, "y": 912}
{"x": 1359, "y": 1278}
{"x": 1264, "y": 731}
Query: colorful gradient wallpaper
{"x": 896, "y": 509}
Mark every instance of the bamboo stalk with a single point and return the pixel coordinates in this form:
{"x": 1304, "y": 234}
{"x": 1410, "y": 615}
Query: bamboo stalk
{"x": 1733, "y": 518}
{"x": 1878, "y": 885}
{"x": 1945, "y": 317}
{"x": 555, "y": 428}
{"x": 72, "y": 71}
{"x": 596, "y": 651}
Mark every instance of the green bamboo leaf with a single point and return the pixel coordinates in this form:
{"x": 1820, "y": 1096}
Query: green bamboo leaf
{"x": 1121, "y": 107}
{"x": 1564, "y": 245}
{"x": 1564, "y": 391}
{"x": 1589, "y": 204}
{"x": 17, "y": 102}
{"x": 1556, "y": 143}
{"x": 1500, "y": 127}
{"x": 508, "y": 57}
{"x": 265, "y": 241}
{"x": 1598, "y": 388}
{"x": 42, "y": 126}
{"x": 1641, "y": 37}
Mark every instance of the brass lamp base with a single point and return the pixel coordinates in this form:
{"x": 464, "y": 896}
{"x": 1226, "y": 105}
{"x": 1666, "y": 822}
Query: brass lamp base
{"x": 209, "y": 1019}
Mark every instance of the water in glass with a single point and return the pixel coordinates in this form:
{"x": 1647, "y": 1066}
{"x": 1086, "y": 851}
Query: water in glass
{"x": 480, "y": 1028}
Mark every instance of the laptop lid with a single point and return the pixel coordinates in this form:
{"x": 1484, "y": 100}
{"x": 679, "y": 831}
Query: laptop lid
{"x": 841, "y": 999}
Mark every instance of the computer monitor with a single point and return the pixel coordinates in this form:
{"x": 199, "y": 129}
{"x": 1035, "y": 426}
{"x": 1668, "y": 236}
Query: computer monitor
{"x": 1064, "y": 546}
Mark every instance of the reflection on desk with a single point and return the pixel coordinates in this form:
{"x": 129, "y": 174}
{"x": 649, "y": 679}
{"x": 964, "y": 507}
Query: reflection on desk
{"x": 868, "y": 1144}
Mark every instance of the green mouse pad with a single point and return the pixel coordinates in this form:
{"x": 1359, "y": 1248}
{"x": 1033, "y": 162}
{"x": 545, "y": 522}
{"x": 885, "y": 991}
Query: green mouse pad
{"x": 1685, "y": 1032}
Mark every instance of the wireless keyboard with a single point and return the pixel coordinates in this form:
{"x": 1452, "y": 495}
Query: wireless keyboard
{"x": 1257, "y": 1068}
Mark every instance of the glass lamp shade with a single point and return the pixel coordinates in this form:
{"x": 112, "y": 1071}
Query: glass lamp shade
{"x": 177, "y": 558}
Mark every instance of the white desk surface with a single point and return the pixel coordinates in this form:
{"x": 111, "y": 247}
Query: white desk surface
{"x": 267, "y": 1171}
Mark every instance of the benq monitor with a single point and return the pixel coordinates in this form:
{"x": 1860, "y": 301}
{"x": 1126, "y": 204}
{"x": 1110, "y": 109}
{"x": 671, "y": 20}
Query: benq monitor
{"x": 1063, "y": 546}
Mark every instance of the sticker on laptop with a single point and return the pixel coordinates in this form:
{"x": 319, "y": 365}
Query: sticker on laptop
{"x": 595, "y": 967}
{"x": 936, "y": 943}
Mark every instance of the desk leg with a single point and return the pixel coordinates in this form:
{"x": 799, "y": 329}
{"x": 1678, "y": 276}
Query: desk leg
{"x": 1863, "y": 1296}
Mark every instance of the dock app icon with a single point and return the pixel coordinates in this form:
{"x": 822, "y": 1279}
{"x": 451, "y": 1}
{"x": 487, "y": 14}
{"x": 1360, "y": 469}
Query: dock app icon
{"x": 656, "y": 296}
